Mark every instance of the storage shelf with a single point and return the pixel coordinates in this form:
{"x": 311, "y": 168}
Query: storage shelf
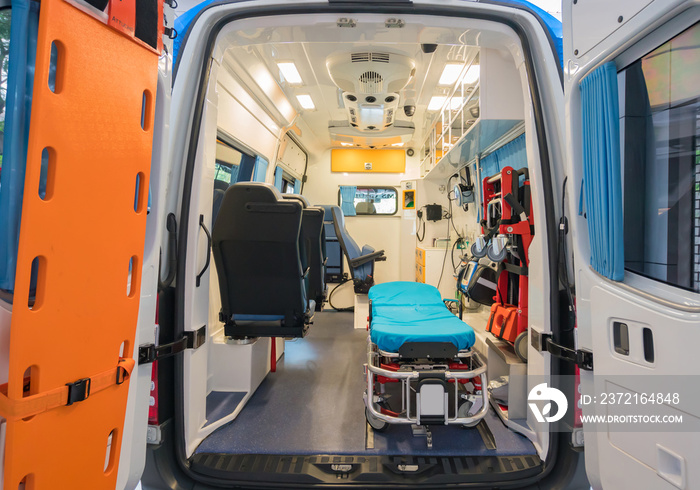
{"x": 481, "y": 136}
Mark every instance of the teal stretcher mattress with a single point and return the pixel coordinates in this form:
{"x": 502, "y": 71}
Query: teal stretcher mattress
{"x": 414, "y": 312}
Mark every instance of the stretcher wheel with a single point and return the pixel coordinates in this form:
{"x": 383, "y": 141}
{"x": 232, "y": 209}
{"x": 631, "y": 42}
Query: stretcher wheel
{"x": 374, "y": 422}
{"x": 520, "y": 346}
{"x": 478, "y": 253}
{"x": 463, "y": 411}
{"x": 496, "y": 257}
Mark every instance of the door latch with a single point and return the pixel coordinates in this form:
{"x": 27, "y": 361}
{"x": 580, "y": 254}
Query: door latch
{"x": 191, "y": 340}
{"x": 543, "y": 343}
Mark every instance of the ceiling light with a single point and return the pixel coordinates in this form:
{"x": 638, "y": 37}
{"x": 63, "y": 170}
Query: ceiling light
{"x": 436, "y": 102}
{"x": 345, "y": 144}
{"x": 290, "y": 72}
{"x": 450, "y": 74}
{"x": 472, "y": 75}
{"x": 397, "y": 144}
{"x": 306, "y": 102}
{"x": 456, "y": 103}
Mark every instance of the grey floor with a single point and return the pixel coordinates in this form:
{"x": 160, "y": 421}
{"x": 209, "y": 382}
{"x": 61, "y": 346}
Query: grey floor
{"x": 313, "y": 405}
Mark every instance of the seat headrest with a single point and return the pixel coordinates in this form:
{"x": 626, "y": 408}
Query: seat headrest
{"x": 220, "y": 185}
{"x": 258, "y": 191}
{"x": 328, "y": 212}
{"x": 365, "y": 208}
{"x": 304, "y": 202}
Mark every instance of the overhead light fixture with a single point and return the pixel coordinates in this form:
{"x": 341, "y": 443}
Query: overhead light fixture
{"x": 343, "y": 143}
{"x": 456, "y": 103}
{"x": 306, "y": 102}
{"x": 290, "y": 72}
{"x": 436, "y": 102}
{"x": 450, "y": 73}
{"x": 472, "y": 74}
{"x": 397, "y": 144}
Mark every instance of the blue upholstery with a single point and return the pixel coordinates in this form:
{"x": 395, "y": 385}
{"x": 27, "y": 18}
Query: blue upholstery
{"x": 414, "y": 312}
{"x": 351, "y": 248}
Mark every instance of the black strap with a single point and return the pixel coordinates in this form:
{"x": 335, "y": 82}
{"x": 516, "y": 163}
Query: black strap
{"x": 516, "y": 269}
{"x": 515, "y": 206}
{"x": 490, "y": 325}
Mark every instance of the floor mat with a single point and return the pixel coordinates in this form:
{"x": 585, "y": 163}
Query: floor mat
{"x": 313, "y": 405}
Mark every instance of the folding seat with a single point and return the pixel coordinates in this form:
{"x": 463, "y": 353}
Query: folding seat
{"x": 360, "y": 261}
{"x": 314, "y": 236}
{"x": 257, "y": 244}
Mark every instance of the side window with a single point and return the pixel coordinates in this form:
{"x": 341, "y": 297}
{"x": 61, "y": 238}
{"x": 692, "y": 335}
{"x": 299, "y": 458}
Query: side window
{"x": 660, "y": 129}
{"x": 366, "y": 200}
{"x": 5, "y": 16}
{"x": 228, "y": 162}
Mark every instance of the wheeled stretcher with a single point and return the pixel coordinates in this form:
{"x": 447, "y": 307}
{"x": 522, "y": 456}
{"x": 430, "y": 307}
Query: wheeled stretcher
{"x": 416, "y": 342}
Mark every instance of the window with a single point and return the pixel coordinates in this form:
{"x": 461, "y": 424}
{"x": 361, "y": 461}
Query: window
{"x": 5, "y": 16}
{"x": 660, "y": 127}
{"x": 369, "y": 200}
{"x": 228, "y": 161}
{"x": 288, "y": 185}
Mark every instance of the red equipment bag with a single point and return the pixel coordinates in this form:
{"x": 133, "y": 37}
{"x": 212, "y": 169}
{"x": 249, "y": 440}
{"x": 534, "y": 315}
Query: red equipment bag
{"x": 503, "y": 321}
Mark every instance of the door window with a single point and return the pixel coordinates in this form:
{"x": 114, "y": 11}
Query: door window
{"x": 660, "y": 129}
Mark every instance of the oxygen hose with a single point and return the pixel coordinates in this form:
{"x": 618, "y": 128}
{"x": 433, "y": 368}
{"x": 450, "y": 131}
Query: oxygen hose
{"x": 349, "y": 308}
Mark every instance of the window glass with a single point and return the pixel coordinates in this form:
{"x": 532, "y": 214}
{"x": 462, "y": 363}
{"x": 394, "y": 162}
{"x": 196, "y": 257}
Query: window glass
{"x": 5, "y": 16}
{"x": 287, "y": 186}
{"x": 223, "y": 172}
{"x": 375, "y": 200}
{"x": 660, "y": 124}
{"x": 228, "y": 160}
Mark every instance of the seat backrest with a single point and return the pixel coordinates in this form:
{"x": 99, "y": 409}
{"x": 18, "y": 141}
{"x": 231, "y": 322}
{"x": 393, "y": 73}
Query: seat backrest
{"x": 312, "y": 231}
{"x": 350, "y": 247}
{"x": 256, "y": 248}
{"x": 365, "y": 208}
{"x": 328, "y": 221}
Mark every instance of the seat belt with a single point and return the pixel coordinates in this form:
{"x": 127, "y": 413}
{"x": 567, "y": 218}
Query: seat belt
{"x": 77, "y": 391}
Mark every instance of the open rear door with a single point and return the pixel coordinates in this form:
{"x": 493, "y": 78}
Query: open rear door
{"x": 632, "y": 86}
{"x": 78, "y": 285}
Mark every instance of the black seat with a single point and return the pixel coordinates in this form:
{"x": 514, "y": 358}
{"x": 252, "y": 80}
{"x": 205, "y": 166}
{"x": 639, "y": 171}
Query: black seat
{"x": 334, "y": 262}
{"x": 314, "y": 236}
{"x": 256, "y": 243}
{"x": 361, "y": 261}
{"x": 219, "y": 190}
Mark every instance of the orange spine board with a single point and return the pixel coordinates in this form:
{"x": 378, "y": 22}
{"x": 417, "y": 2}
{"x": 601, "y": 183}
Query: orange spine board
{"x": 85, "y": 232}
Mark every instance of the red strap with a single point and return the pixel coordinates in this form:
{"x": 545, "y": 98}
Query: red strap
{"x": 273, "y": 354}
{"x": 31, "y": 405}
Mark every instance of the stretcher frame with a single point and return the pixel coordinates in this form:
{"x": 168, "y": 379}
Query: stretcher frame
{"x": 373, "y": 368}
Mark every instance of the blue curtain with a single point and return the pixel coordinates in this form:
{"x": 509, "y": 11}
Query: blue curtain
{"x": 278, "y": 178}
{"x": 260, "y": 171}
{"x": 297, "y": 186}
{"x": 347, "y": 199}
{"x": 602, "y": 171}
{"x": 234, "y": 174}
{"x": 512, "y": 154}
{"x": 20, "y": 80}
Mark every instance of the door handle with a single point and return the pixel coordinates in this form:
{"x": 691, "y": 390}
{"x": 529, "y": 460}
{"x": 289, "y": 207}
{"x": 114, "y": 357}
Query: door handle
{"x": 206, "y": 264}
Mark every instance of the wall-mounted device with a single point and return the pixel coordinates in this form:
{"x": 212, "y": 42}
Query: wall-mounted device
{"x": 433, "y": 212}
{"x": 464, "y": 194}
{"x": 464, "y": 191}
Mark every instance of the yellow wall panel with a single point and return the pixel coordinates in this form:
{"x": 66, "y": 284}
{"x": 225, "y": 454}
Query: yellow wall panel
{"x": 354, "y": 160}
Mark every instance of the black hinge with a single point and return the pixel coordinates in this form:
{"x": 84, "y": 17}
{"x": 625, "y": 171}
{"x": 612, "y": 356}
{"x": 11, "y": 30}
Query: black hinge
{"x": 543, "y": 343}
{"x": 191, "y": 340}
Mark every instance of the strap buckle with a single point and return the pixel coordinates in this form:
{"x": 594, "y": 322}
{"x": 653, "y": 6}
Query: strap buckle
{"x": 78, "y": 391}
{"x": 122, "y": 372}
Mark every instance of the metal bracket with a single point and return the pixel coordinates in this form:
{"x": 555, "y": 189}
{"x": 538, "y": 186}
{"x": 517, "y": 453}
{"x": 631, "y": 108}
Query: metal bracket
{"x": 191, "y": 340}
{"x": 543, "y": 343}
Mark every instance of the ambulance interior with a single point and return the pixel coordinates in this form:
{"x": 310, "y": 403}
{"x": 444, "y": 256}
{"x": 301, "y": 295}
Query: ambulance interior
{"x": 398, "y": 122}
